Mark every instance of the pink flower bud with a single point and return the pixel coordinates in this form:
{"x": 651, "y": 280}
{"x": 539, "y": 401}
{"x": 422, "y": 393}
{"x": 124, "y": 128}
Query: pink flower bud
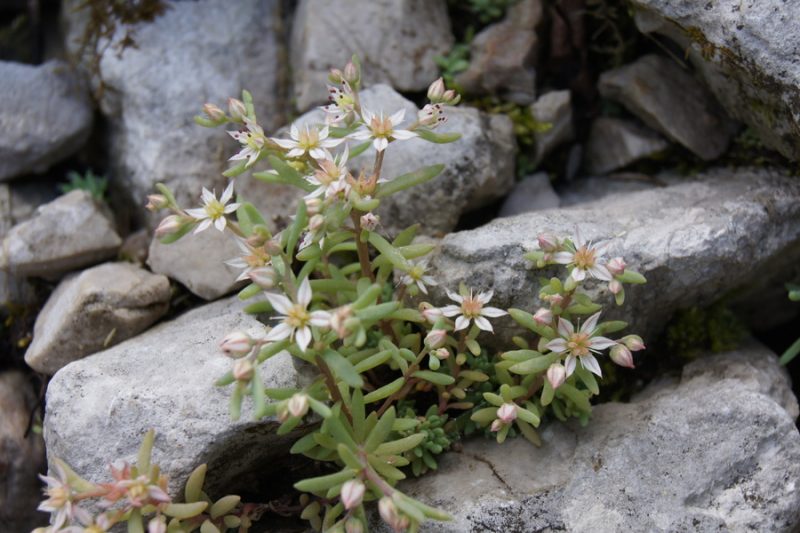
{"x": 507, "y": 412}
{"x": 370, "y": 221}
{"x": 496, "y": 426}
{"x": 316, "y": 222}
{"x": 450, "y": 97}
{"x": 614, "y": 286}
{"x": 431, "y": 314}
{"x": 339, "y": 320}
{"x": 621, "y": 355}
{"x": 156, "y": 202}
{"x": 555, "y": 299}
{"x": 352, "y": 493}
{"x": 556, "y": 375}
{"x": 547, "y": 242}
{"x": 436, "y": 338}
{"x": 214, "y": 112}
{"x": 243, "y": 370}
{"x": 313, "y": 205}
{"x": 273, "y": 247}
{"x": 543, "y": 317}
{"x": 298, "y": 405}
{"x": 351, "y": 73}
{"x": 236, "y": 344}
{"x": 391, "y": 515}
{"x": 436, "y": 90}
{"x": 156, "y": 525}
{"x": 441, "y": 353}
{"x": 169, "y": 225}
{"x": 633, "y": 342}
{"x": 616, "y": 266}
{"x": 265, "y": 277}
{"x": 237, "y": 109}
{"x": 335, "y": 75}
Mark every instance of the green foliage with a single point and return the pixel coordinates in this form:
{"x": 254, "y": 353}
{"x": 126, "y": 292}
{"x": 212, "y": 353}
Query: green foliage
{"x": 485, "y": 11}
{"x": 792, "y": 351}
{"x": 90, "y": 182}
{"x": 456, "y": 61}
{"x": 696, "y": 330}
{"x": 397, "y": 380}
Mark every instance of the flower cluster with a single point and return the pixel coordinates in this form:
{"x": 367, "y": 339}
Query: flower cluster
{"x": 365, "y": 311}
{"x": 137, "y": 495}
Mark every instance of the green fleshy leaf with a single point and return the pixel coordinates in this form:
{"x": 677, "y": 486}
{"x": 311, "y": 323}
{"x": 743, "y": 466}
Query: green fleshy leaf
{"x": 790, "y": 353}
{"x": 408, "y": 180}
{"x": 434, "y": 377}
{"x": 438, "y": 138}
{"x": 182, "y": 511}
{"x": 632, "y": 277}
{"x": 194, "y": 486}
{"x": 343, "y": 369}
{"x": 385, "y": 391}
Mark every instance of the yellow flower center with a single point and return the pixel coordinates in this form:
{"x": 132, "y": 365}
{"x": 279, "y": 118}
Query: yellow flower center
{"x": 309, "y": 138}
{"x": 471, "y": 307}
{"x": 578, "y": 344}
{"x": 584, "y": 258}
{"x": 298, "y": 317}
{"x": 257, "y": 257}
{"x": 416, "y": 273}
{"x": 58, "y": 496}
{"x": 137, "y": 491}
{"x": 215, "y": 209}
{"x": 381, "y": 126}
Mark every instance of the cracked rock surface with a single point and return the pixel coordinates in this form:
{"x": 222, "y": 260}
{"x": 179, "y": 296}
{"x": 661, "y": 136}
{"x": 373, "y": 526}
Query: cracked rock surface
{"x": 94, "y": 309}
{"x": 747, "y": 55}
{"x": 716, "y": 451}
{"x": 693, "y": 241}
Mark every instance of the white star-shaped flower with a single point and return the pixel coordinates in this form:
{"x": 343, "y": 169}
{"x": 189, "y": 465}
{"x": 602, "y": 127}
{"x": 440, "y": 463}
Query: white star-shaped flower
{"x": 472, "y": 307}
{"x": 296, "y": 319}
{"x": 310, "y": 140}
{"x": 214, "y": 211}
{"x": 581, "y": 344}
{"x": 382, "y": 129}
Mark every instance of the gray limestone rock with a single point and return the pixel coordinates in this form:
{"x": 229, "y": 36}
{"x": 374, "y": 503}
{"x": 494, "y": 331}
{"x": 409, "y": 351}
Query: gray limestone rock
{"x": 533, "y": 193}
{"x": 71, "y": 232}
{"x": 668, "y": 99}
{"x": 95, "y": 309}
{"x": 99, "y": 408}
{"x": 395, "y": 40}
{"x": 615, "y": 143}
{"x": 715, "y": 452}
{"x": 196, "y": 52}
{"x": 554, "y": 110}
{"x": 746, "y": 52}
{"x": 503, "y": 56}
{"x": 198, "y": 262}
{"x": 21, "y": 455}
{"x": 46, "y": 116}
{"x": 694, "y": 241}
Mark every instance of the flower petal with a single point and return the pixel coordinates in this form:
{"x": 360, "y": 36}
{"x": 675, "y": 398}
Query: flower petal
{"x": 565, "y": 327}
{"x": 601, "y": 343}
{"x": 227, "y": 194}
{"x": 601, "y": 272}
{"x": 321, "y": 319}
{"x": 279, "y": 332}
{"x": 455, "y": 296}
{"x": 450, "y": 310}
{"x": 380, "y": 144}
{"x": 303, "y": 338}
{"x": 304, "y": 293}
{"x": 569, "y": 364}
{"x": 557, "y": 345}
{"x": 563, "y": 258}
{"x": 590, "y": 324}
{"x": 279, "y": 302}
{"x": 203, "y": 225}
{"x": 461, "y": 323}
{"x": 483, "y": 324}
{"x": 493, "y": 312}
{"x": 397, "y": 117}
{"x": 590, "y": 363}
{"x": 403, "y": 134}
